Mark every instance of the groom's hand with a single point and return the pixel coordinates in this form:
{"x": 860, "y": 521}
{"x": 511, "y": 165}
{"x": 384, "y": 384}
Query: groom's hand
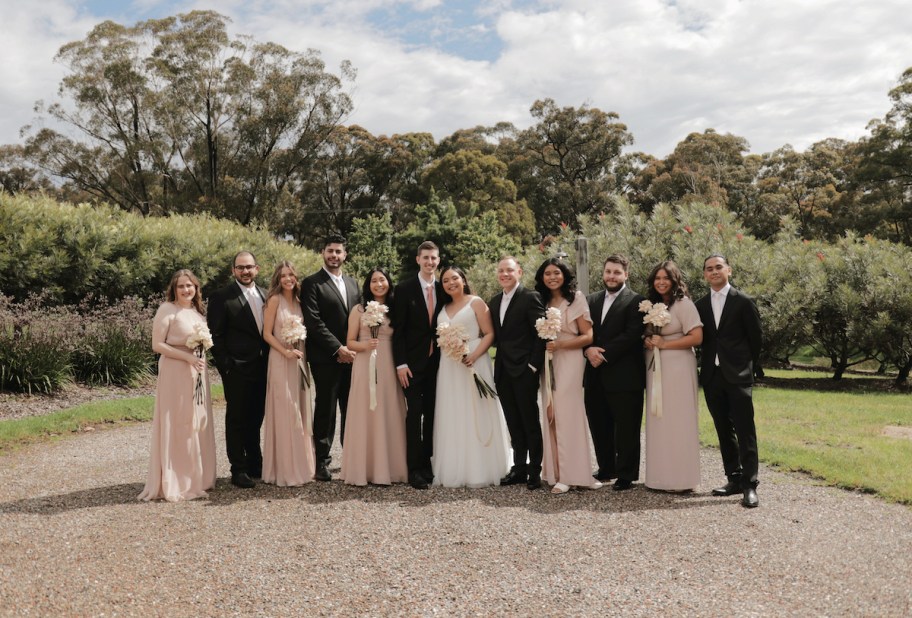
{"x": 594, "y": 355}
{"x": 404, "y": 374}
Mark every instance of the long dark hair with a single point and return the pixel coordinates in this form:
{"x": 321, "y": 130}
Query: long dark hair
{"x": 447, "y": 299}
{"x": 567, "y": 289}
{"x": 367, "y": 295}
{"x": 678, "y": 286}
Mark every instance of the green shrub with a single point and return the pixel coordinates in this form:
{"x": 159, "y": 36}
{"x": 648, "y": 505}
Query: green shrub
{"x": 34, "y": 349}
{"x": 70, "y": 252}
{"x": 115, "y": 345}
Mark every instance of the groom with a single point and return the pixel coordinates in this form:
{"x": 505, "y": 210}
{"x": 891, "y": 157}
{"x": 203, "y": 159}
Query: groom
{"x": 235, "y": 318}
{"x": 416, "y": 303}
{"x": 520, "y": 355}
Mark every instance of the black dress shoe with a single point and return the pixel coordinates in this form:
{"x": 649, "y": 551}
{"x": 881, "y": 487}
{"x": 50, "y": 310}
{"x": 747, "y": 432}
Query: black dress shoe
{"x": 322, "y": 474}
{"x": 534, "y": 482}
{"x": 622, "y": 484}
{"x": 256, "y": 475}
{"x": 514, "y": 478}
{"x": 602, "y": 475}
{"x": 750, "y": 499}
{"x": 729, "y": 489}
{"x": 427, "y": 474}
{"x": 417, "y": 481}
{"x": 242, "y": 480}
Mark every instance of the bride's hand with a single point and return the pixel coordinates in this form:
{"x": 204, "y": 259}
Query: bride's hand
{"x": 469, "y": 360}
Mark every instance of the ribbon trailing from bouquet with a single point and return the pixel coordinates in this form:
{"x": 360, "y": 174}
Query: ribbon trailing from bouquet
{"x": 372, "y": 372}
{"x": 655, "y": 406}
{"x": 549, "y": 378}
{"x": 476, "y": 413}
{"x": 373, "y": 316}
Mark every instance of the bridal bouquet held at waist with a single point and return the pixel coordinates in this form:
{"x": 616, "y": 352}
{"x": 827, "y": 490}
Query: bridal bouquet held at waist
{"x": 293, "y": 334}
{"x": 548, "y": 328}
{"x": 199, "y": 341}
{"x": 373, "y": 317}
{"x": 454, "y": 343}
{"x": 656, "y": 317}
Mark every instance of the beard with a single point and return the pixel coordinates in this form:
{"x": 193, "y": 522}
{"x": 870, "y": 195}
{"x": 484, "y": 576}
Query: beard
{"x": 614, "y": 288}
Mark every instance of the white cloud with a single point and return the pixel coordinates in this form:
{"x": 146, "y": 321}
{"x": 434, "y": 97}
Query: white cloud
{"x": 771, "y": 71}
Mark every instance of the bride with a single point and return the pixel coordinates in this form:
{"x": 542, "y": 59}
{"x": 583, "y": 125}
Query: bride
{"x": 470, "y": 446}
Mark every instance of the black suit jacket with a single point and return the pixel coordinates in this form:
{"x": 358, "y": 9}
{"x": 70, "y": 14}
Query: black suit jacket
{"x": 517, "y": 341}
{"x": 237, "y": 344}
{"x": 621, "y": 334}
{"x": 413, "y": 333}
{"x": 736, "y": 341}
{"x": 325, "y": 315}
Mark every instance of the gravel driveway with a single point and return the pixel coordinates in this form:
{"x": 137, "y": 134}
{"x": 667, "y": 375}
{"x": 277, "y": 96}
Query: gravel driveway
{"x": 74, "y": 542}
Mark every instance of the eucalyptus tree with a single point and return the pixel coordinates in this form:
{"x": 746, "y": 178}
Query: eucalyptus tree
{"x": 563, "y": 165}
{"x": 885, "y": 167}
{"x": 176, "y": 114}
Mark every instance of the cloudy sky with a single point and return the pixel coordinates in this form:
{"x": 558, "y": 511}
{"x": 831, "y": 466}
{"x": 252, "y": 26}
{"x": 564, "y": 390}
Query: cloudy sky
{"x": 772, "y": 71}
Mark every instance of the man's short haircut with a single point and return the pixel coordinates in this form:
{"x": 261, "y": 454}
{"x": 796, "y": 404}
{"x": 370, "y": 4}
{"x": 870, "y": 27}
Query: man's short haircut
{"x": 427, "y": 245}
{"x": 334, "y": 239}
{"x": 715, "y": 255}
{"x": 617, "y": 258}
{"x": 239, "y": 254}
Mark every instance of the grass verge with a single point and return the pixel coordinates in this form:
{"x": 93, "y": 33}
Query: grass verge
{"x": 836, "y": 437}
{"x": 111, "y": 412}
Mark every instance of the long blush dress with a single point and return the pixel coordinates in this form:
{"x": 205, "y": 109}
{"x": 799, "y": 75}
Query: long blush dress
{"x": 288, "y": 451}
{"x": 182, "y": 458}
{"x": 567, "y": 456}
{"x": 374, "y": 450}
{"x": 470, "y": 443}
{"x": 672, "y": 440}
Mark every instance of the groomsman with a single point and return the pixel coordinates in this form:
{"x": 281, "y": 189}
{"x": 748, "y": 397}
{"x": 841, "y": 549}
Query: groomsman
{"x": 732, "y": 337}
{"x": 327, "y": 296}
{"x": 235, "y": 318}
{"x": 520, "y": 355}
{"x": 615, "y": 377}
{"x": 416, "y": 303}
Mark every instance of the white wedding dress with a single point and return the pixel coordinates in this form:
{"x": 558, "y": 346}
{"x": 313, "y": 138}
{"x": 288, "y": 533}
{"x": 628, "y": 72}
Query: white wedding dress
{"x": 470, "y": 444}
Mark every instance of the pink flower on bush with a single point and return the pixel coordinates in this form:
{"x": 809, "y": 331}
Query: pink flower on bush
{"x": 688, "y": 229}
{"x": 739, "y": 236}
{"x": 820, "y": 256}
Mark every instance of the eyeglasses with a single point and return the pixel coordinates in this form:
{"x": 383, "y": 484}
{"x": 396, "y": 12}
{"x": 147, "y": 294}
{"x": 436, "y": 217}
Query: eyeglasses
{"x": 244, "y": 266}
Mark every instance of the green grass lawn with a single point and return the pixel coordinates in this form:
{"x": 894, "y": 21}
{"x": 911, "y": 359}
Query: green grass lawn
{"x": 836, "y": 437}
{"x": 19, "y": 432}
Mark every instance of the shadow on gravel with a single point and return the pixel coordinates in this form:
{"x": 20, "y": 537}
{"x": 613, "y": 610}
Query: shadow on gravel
{"x": 541, "y": 501}
{"x": 82, "y": 499}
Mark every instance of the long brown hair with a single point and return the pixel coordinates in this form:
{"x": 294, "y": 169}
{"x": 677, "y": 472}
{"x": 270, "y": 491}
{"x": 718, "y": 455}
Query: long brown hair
{"x": 678, "y": 286}
{"x": 171, "y": 290}
{"x": 275, "y": 284}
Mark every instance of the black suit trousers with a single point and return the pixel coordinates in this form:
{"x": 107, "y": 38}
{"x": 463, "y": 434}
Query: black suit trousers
{"x": 332, "y": 382}
{"x": 519, "y": 399}
{"x": 420, "y": 397}
{"x": 615, "y": 418}
{"x": 732, "y": 409}
{"x": 245, "y": 405}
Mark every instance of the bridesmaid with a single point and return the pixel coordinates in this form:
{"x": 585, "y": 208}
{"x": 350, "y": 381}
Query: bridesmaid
{"x": 672, "y": 441}
{"x": 565, "y": 429}
{"x": 182, "y": 461}
{"x": 374, "y": 449}
{"x": 288, "y": 451}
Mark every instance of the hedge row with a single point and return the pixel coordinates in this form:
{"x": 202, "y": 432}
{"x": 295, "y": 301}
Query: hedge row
{"x": 66, "y": 253}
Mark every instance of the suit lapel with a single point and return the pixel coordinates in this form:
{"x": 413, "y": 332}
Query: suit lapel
{"x": 246, "y": 310}
{"x": 513, "y": 302}
{"x": 726, "y": 308}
